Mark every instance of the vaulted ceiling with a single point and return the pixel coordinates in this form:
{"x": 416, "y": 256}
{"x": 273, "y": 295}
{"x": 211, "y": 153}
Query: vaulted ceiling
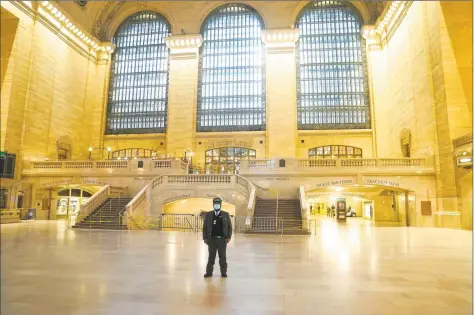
{"x": 101, "y": 18}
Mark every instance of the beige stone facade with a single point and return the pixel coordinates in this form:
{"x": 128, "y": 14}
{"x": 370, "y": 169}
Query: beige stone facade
{"x": 420, "y": 80}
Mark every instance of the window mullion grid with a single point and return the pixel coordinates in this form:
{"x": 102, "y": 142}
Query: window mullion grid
{"x": 135, "y": 64}
{"x": 236, "y": 90}
{"x": 339, "y": 93}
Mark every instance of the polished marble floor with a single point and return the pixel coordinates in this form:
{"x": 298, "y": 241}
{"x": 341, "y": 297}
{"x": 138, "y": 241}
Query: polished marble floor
{"x": 344, "y": 269}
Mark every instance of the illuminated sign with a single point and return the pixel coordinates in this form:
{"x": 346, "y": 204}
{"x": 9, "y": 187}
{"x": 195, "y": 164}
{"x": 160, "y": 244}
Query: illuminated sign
{"x": 335, "y": 183}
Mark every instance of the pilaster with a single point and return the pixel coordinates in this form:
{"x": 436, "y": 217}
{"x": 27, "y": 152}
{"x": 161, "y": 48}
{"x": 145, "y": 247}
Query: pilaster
{"x": 182, "y": 93}
{"x": 373, "y": 51}
{"x": 281, "y": 91}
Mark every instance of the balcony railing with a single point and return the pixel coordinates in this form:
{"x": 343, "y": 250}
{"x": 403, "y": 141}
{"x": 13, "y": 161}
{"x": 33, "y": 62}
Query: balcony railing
{"x": 324, "y": 166}
{"x": 131, "y": 167}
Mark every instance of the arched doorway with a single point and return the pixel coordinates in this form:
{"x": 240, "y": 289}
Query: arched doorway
{"x": 227, "y": 160}
{"x": 69, "y": 201}
{"x": 188, "y": 214}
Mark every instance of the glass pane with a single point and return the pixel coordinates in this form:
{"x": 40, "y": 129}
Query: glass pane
{"x": 338, "y": 151}
{"x": 138, "y": 86}
{"x": 332, "y": 86}
{"x": 231, "y": 94}
{"x": 132, "y": 153}
{"x": 64, "y": 192}
{"x": 227, "y": 161}
{"x": 75, "y": 192}
{"x": 86, "y": 194}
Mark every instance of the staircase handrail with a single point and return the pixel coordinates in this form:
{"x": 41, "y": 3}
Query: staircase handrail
{"x": 92, "y": 203}
{"x": 252, "y": 196}
{"x": 117, "y": 194}
{"x": 136, "y": 223}
{"x": 136, "y": 201}
{"x": 303, "y": 207}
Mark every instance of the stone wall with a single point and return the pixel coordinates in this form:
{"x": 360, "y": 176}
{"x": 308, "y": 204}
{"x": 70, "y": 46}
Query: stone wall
{"x": 418, "y": 82}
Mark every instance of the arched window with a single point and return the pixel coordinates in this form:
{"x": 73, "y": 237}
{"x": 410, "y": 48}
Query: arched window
{"x": 332, "y": 69}
{"x": 138, "y": 86}
{"x": 128, "y": 154}
{"x": 335, "y": 152}
{"x": 231, "y": 95}
{"x": 227, "y": 160}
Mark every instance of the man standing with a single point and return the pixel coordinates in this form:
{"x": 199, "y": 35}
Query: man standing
{"x": 216, "y": 233}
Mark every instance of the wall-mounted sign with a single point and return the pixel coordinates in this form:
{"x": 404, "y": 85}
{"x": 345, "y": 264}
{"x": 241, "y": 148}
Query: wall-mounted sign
{"x": 277, "y": 178}
{"x": 426, "y": 208}
{"x": 143, "y": 178}
{"x": 94, "y": 182}
{"x": 335, "y": 183}
{"x": 230, "y": 143}
{"x": 338, "y": 194}
{"x": 382, "y": 182}
{"x": 57, "y": 183}
{"x": 341, "y": 209}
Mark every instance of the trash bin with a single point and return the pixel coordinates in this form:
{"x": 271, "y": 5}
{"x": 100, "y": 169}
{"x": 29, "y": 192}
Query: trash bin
{"x": 29, "y": 214}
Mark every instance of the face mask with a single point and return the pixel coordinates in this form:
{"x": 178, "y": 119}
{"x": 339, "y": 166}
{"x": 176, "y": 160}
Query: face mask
{"x": 217, "y": 206}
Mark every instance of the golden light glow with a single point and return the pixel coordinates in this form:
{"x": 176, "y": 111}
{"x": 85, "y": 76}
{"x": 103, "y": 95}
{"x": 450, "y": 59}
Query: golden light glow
{"x": 184, "y": 41}
{"x": 391, "y": 15}
{"x": 60, "y": 20}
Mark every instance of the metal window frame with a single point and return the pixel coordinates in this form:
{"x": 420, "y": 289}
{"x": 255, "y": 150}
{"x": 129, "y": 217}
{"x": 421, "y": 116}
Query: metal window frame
{"x": 8, "y": 160}
{"x": 237, "y": 111}
{"x": 123, "y": 154}
{"x": 234, "y": 155}
{"x": 159, "y": 116}
{"x": 312, "y": 152}
{"x": 366, "y": 93}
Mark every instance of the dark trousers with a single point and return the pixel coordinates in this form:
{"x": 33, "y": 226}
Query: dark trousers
{"x": 217, "y": 245}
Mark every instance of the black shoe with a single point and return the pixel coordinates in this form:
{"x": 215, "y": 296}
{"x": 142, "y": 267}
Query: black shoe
{"x": 208, "y": 275}
{"x": 224, "y": 275}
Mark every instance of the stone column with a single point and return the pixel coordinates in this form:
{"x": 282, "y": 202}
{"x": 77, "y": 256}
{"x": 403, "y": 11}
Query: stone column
{"x": 281, "y": 92}
{"x": 182, "y": 93}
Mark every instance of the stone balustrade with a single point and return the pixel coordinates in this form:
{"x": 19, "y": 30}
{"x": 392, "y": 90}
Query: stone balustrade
{"x": 141, "y": 204}
{"x": 107, "y": 167}
{"x": 336, "y": 166}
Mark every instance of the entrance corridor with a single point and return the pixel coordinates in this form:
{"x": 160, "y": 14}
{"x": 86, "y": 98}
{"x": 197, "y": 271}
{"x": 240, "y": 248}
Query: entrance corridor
{"x": 345, "y": 269}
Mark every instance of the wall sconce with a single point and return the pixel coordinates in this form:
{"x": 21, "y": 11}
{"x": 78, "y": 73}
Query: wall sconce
{"x": 90, "y": 152}
{"x": 464, "y": 160}
{"x": 108, "y": 153}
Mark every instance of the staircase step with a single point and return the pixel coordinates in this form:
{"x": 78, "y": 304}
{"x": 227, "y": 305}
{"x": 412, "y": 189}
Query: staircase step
{"x": 100, "y": 227}
{"x": 106, "y": 216}
{"x": 288, "y": 210}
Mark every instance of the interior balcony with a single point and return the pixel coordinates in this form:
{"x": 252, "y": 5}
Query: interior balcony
{"x": 318, "y": 167}
{"x": 134, "y": 167}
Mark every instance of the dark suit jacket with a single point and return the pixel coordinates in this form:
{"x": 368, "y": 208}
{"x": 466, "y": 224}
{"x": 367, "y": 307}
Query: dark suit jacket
{"x": 207, "y": 225}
